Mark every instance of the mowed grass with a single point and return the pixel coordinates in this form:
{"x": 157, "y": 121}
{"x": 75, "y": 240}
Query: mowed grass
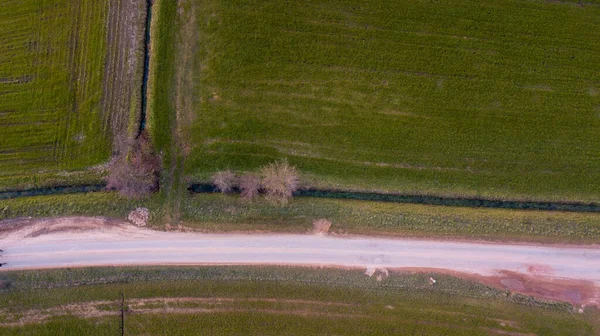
{"x": 52, "y": 56}
{"x": 229, "y": 213}
{"x": 271, "y": 300}
{"x": 496, "y": 99}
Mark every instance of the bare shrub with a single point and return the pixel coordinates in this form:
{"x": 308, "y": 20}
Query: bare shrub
{"x": 249, "y": 185}
{"x": 321, "y": 226}
{"x": 279, "y": 180}
{"x": 135, "y": 173}
{"x": 224, "y": 181}
{"x": 139, "y": 216}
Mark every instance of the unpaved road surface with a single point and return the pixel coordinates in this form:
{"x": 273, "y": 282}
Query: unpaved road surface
{"x": 79, "y": 241}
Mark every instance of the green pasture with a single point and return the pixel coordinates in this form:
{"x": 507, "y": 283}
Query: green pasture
{"x": 237, "y": 300}
{"x": 53, "y": 58}
{"x": 489, "y": 98}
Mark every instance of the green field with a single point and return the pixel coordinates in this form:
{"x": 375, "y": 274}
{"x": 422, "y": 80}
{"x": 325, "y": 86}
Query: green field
{"x": 270, "y": 300}
{"x": 58, "y": 113}
{"x": 497, "y": 99}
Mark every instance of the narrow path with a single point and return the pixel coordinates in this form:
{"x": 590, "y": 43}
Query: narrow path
{"x": 566, "y": 273}
{"x": 59, "y": 245}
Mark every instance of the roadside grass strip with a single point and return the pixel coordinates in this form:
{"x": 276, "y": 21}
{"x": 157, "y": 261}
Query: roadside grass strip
{"x": 273, "y": 300}
{"x": 222, "y": 213}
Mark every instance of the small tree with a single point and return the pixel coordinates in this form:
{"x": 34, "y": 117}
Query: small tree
{"x": 224, "y": 181}
{"x": 279, "y": 180}
{"x": 249, "y": 186}
{"x": 136, "y": 173}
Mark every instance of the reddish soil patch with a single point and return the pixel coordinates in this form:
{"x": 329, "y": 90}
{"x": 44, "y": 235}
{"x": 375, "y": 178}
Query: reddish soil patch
{"x": 575, "y": 292}
{"x": 540, "y": 269}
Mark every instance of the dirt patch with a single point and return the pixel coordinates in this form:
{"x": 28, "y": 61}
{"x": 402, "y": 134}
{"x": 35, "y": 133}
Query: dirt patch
{"x": 321, "y": 226}
{"x": 539, "y": 269}
{"x": 49, "y": 230}
{"x": 17, "y": 229}
{"x": 576, "y": 292}
{"x": 512, "y": 284}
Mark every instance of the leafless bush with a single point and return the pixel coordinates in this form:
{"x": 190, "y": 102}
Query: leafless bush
{"x": 279, "y": 180}
{"x": 321, "y": 226}
{"x": 249, "y": 185}
{"x": 135, "y": 173}
{"x": 224, "y": 181}
{"x": 139, "y": 216}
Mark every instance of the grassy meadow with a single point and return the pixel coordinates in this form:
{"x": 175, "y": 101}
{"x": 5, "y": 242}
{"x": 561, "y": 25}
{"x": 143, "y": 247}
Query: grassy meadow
{"x": 495, "y": 99}
{"x": 58, "y": 113}
{"x": 270, "y": 300}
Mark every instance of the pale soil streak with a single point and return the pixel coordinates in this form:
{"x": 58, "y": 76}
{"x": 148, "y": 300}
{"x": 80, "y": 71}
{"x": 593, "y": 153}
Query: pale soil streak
{"x": 14, "y": 230}
{"x": 96, "y": 309}
{"x": 35, "y": 316}
{"x": 185, "y": 88}
{"x": 167, "y": 300}
{"x": 308, "y": 152}
{"x": 123, "y": 68}
{"x": 93, "y": 309}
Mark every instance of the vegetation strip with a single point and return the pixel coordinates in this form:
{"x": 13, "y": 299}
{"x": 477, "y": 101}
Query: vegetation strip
{"x": 55, "y": 190}
{"x": 147, "y": 40}
{"x": 429, "y": 200}
{"x": 350, "y": 195}
{"x": 274, "y": 300}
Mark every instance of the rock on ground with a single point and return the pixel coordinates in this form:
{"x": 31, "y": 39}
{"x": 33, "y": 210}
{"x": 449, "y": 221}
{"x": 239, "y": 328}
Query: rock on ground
{"x": 139, "y": 216}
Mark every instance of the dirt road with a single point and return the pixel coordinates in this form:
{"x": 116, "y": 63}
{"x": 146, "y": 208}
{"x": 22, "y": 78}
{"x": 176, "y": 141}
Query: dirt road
{"x": 76, "y": 241}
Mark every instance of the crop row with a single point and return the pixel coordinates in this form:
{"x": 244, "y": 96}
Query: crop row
{"x": 51, "y": 84}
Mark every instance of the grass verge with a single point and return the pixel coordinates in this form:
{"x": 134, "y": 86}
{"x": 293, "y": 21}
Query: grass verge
{"x": 162, "y": 114}
{"x": 107, "y": 204}
{"x": 230, "y": 213}
{"x": 224, "y": 213}
{"x": 273, "y": 300}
